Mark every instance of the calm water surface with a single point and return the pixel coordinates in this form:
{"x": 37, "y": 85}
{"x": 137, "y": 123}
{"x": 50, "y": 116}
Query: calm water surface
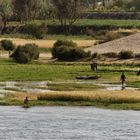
{"x": 68, "y": 123}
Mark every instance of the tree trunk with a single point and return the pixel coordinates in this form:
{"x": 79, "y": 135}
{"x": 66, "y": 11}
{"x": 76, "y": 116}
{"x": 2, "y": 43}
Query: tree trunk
{"x": 94, "y": 4}
{"x": 4, "y": 26}
{"x": 104, "y": 3}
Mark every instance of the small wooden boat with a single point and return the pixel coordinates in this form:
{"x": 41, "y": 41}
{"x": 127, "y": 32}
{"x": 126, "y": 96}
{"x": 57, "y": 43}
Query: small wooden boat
{"x": 91, "y": 77}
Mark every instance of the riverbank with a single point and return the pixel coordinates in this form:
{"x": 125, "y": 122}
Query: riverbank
{"x": 120, "y": 100}
{"x": 55, "y": 84}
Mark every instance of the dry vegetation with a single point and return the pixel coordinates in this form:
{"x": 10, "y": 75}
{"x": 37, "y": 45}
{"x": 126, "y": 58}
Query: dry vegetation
{"x": 21, "y": 96}
{"x": 102, "y": 96}
{"x": 126, "y": 99}
{"x": 126, "y": 96}
{"x": 48, "y": 43}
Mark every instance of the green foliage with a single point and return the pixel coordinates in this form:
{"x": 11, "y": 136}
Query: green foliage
{"x": 68, "y": 12}
{"x": 27, "y": 10}
{"x": 6, "y": 12}
{"x": 6, "y": 9}
{"x": 100, "y": 8}
{"x": 135, "y": 5}
{"x": 71, "y": 54}
{"x": 59, "y": 43}
{"x": 7, "y": 45}
{"x": 68, "y": 51}
{"x": 65, "y": 43}
{"x": 34, "y": 30}
{"x": 126, "y": 54}
{"x": 26, "y": 53}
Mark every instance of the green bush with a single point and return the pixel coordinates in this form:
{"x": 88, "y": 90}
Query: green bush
{"x": 71, "y": 54}
{"x": 65, "y": 43}
{"x": 26, "y": 53}
{"x": 68, "y": 51}
{"x": 7, "y": 45}
{"x": 34, "y": 30}
{"x": 126, "y": 54}
{"x": 57, "y": 46}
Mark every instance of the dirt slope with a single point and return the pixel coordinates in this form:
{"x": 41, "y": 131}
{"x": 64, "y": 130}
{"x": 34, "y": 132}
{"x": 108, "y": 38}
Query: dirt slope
{"x": 131, "y": 42}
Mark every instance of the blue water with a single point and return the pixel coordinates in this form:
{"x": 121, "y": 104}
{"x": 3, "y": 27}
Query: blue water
{"x": 68, "y": 123}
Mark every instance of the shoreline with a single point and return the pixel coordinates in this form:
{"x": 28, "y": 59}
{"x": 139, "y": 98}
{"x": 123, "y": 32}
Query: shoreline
{"x": 126, "y": 100}
{"x": 125, "y": 106}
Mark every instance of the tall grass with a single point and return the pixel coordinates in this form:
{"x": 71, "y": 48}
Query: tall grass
{"x": 111, "y": 97}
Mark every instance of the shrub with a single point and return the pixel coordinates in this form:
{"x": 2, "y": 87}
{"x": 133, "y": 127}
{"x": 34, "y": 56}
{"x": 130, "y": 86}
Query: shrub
{"x": 137, "y": 55}
{"x": 109, "y": 36}
{"x": 34, "y": 30}
{"x": 113, "y": 15}
{"x": 70, "y": 53}
{"x": 26, "y": 53}
{"x": 7, "y": 45}
{"x": 65, "y": 43}
{"x": 57, "y": 46}
{"x": 126, "y": 54}
{"x": 110, "y": 55}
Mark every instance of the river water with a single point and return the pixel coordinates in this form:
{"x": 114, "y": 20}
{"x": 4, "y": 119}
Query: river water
{"x": 68, "y": 123}
{"x": 41, "y": 86}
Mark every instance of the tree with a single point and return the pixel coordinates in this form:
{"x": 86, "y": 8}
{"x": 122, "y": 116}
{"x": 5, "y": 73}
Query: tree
{"x": 94, "y": 4}
{"x": 103, "y": 1}
{"x": 28, "y": 9}
{"x": 45, "y": 9}
{"x": 8, "y": 46}
{"x": 67, "y": 12}
{"x": 6, "y": 11}
{"x": 136, "y": 4}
